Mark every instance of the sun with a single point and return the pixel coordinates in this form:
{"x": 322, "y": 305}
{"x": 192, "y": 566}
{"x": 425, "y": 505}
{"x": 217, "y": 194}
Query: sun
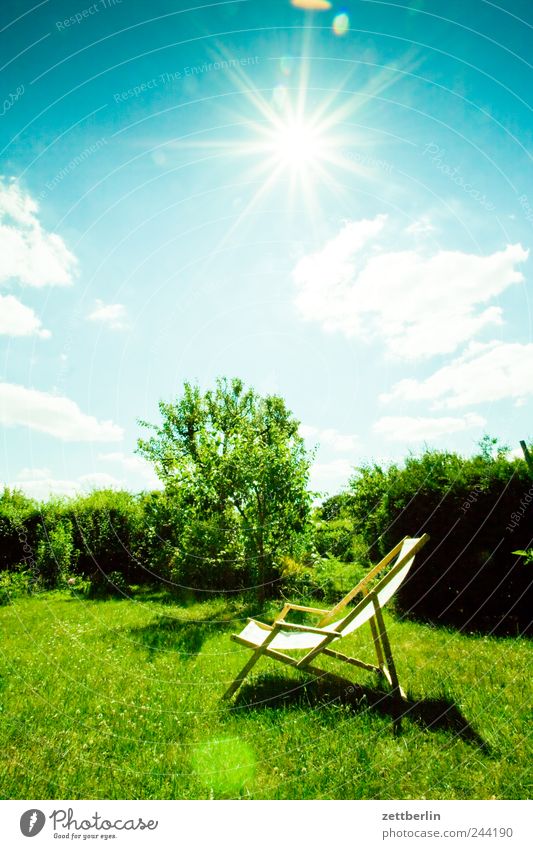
{"x": 294, "y": 141}
{"x": 297, "y": 145}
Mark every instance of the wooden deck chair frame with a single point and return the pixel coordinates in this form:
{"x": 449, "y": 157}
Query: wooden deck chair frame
{"x": 385, "y": 667}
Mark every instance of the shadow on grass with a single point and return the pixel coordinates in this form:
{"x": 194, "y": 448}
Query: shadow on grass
{"x": 185, "y": 636}
{"x": 274, "y": 691}
{"x": 169, "y": 634}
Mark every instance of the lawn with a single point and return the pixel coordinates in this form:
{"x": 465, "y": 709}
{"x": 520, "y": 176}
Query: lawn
{"x": 121, "y": 699}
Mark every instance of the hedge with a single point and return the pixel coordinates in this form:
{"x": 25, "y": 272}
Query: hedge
{"x": 478, "y": 511}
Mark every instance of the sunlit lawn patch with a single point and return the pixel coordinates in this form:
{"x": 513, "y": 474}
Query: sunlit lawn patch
{"x": 121, "y": 699}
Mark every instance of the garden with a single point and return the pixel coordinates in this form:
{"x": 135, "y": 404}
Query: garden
{"x": 116, "y": 611}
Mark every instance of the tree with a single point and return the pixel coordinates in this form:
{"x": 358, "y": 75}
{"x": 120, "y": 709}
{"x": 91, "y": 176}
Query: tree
{"x": 231, "y": 457}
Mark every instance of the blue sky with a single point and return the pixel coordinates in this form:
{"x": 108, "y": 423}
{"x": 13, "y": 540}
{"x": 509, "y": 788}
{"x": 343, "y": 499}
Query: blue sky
{"x": 335, "y": 205}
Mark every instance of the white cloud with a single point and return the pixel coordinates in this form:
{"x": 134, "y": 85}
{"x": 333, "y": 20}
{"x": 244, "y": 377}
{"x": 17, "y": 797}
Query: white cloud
{"x": 420, "y": 227}
{"x": 484, "y": 373}
{"x": 324, "y": 279}
{"x": 330, "y": 437}
{"x": 331, "y": 477}
{"x": 113, "y": 316}
{"x": 420, "y": 428}
{"x": 53, "y": 414}
{"x": 28, "y": 253}
{"x": 19, "y": 320}
{"x": 42, "y": 488}
{"x": 135, "y": 465}
{"x": 42, "y": 484}
{"x": 99, "y": 480}
{"x": 28, "y": 474}
{"x": 419, "y": 304}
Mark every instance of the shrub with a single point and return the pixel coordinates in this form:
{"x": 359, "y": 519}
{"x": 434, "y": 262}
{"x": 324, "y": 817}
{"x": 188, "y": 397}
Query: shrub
{"x": 211, "y": 555}
{"x": 56, "y": 555}
{"x": 19, "y": 517}
{"x": 327, "y": 579}
{"x": 467, "y": 575}
{"x": 89, "y": 535}
{"x": 105, "y": 585}
{"x": 336, "y": 507}
{"x": 77, "y": 586}
{"x": 300, "y": 581}
{"x": 15, "y": 584}
{"x": 163, "y": 522}
{"x": 337, "y": 538}
{"x": 107, "y": 533}
{"x": 342, "y": 577}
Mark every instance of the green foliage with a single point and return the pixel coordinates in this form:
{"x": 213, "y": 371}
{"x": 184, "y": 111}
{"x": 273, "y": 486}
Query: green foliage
{"x": 338, "y": 538}
{"x": 300, "y": 581}
{"x": 15, "y": 584}
{"x": 336, "y": 507}
{"x": 19, "y": 518}
{"x": 476, "y": 510}
{"x": 211, "y": 549}
{"x": 527, "y": 555}
{"x": 236, "y": 471}
{"x": 78, "y": 586}
{"x": 235, "y": 515}
{"x": 162, "y": 525}
{"x": 88, "y": 536}
{"x": 490, "y": 448}
{"x": 325, "y": 578}
{"x": 105, "y": 585}
{"x": 56, "y": 555}
{"x": 108, "y": 527}
{"x": 343, "y": 577}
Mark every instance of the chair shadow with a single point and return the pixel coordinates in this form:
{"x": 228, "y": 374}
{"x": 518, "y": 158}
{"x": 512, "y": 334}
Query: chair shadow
{"x": 275, "y": 691}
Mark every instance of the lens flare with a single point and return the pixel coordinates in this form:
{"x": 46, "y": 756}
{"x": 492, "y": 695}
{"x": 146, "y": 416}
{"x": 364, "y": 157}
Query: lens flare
{"x": 341, "y": 24}
{"x": 312, "y": 5}
{"x": 280, "y": 98}
{"x": 286, "y": 64}
{"x": 225, "y": 766}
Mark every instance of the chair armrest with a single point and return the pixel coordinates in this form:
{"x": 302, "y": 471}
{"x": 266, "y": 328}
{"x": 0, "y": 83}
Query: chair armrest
{"x": 291, "y": 626}
{"x": 262, "y": 625}
{"x": 317, "y": 611}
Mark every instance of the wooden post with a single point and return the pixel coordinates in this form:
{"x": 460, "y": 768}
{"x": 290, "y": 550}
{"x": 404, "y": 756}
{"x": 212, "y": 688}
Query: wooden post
{"x": 527, "y": 456}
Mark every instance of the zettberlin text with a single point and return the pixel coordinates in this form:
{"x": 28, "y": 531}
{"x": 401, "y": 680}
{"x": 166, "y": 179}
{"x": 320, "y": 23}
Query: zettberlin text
{"x": 407, "y": 815}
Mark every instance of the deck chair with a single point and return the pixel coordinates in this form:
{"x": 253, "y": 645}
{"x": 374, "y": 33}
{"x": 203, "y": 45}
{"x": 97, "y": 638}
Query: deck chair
{"x": 276, "y": 640}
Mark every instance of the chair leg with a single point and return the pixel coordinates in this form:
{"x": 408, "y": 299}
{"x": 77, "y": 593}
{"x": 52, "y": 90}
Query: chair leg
{"x": 260, "y": 650}
{"x": 387, "y": 651}
{"x": 389, "y": 668}
{"x": 242, "y": 675}
{"x": 377, "y": 644}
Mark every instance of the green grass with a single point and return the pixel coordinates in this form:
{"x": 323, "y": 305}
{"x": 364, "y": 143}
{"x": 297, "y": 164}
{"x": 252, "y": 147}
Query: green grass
{"x": 121, "y": 699}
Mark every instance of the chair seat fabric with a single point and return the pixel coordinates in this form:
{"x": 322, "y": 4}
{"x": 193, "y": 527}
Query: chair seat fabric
{"x": 285, "y": 640}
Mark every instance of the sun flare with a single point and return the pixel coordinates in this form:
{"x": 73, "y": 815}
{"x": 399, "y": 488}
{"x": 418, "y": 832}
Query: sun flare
{"x": 296, "y": 145}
